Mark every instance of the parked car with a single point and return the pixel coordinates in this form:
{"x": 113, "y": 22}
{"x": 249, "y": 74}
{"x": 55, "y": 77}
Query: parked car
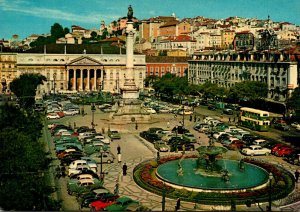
{"x": 293, "y": 158}
{"x": 179, "y": 144}
{"x": 100, "y": 204}
{"x": 281, "y": 126}
{"x": 150, "y": 110}
{"x": 114, "y": 134}
{"x": 161, "y": 146}
{"x": 256, "y": 150}
{"x": 107, "y": 157}
{"x": 121, "y": 204}
{"x": 228, "y": 111}
{"x": 236, "y": 145}
{"x": 281, "y": 152}
{"x": 71, "y": 112}
{"x": 53, "y": 116}
{"x": 189, "y": 137}
{"x": 295, "y": 125}
{"x": 276, "y": 148}
{"x": 84, "y": 185}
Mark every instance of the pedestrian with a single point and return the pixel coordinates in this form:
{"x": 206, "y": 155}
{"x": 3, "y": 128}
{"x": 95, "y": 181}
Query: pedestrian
{"x": 168, "y": 124}
{"x": 297, "y": 173}
{"x": 233, "y": 119}
{"x": 229, "y": 119}
{"x": 183, "y": 149}
{"x": 116, "y": 190}
{"x": 136, "y": 126}
{"x": 177, "y": 207}
{"x": 124, "y": 169}
{"x": 191, "y": 117}
{"x": 119, "y": 158}
{"x": 74, "y": 125}
{"x": 118, "y": 149}
{"x": 195, "y": 118}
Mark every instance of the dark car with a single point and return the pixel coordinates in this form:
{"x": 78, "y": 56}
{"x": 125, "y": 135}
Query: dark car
{"x": 180, "y": 130}
{"x": 293, "y": 158}
{"x": 179, "y": 146}
{"x": 228, "y": 111}
{"x": 211, "y": 107}
{"x": 281, "y": 126}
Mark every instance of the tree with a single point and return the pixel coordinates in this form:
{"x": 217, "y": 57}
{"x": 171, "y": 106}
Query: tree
{"x": 93, "y": 35}
{"x": 293, "y": 103}
{"x": 248, "y": 90}
{"x": 66, "y": 30}
{"x": 24, "y": 87}
{"x": 24, "y": 165}
{"x": 57, "y": 31}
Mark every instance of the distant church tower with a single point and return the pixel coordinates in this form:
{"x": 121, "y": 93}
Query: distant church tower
{"x": 102, "y": 27}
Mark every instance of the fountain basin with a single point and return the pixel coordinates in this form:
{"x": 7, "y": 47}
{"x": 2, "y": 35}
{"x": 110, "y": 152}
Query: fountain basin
{"x": 251, "y": 178}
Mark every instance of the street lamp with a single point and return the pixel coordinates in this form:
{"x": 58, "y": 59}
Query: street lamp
{"x": 101, "y": 150}
{"x": 270, "y": 191}
{"x": 93, "y": 108}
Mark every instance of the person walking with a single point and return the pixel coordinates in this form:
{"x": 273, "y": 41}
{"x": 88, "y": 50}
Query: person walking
{"x": 168, "y": 124}
{"x": 177, "y": 207}
{"x": 297, "y": 173}
{"x": 124, "y": 169}
{"x": 119, "y": 157}
{"x": 118, "y": 149}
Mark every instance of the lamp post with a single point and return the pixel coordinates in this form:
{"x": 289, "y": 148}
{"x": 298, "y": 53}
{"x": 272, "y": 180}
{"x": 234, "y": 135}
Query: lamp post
{"x": 102, "y": 150}
{"x": 163, "y": 201}
{"x": 93, "y": 109}
{"x": 270, "y": 191}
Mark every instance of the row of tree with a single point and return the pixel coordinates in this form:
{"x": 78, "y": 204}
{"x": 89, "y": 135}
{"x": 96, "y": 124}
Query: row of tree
{"x": 172, "y": 85}
{"x": 252, "y": 92}
{"x": 24, "y": 176}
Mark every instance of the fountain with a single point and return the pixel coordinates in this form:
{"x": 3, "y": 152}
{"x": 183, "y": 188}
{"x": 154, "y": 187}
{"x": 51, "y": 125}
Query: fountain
{"x": 209, "y": 172}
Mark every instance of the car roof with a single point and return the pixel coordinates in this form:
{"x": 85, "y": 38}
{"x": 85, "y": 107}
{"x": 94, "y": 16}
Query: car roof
{"x": 86, "y": 181}
{"x": 255, "y": 146}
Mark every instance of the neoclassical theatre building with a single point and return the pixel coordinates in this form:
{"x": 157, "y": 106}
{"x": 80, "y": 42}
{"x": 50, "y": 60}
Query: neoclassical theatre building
{"x": 225, "y": 69}
{"x": 67, "y": 72}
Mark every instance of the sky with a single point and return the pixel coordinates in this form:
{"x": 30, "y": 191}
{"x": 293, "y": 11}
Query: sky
{"x": 26, "y": 17}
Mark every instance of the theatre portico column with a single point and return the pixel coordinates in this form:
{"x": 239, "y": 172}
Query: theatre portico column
{"x": 95, "y": 80}
{"x": 87, "y": 86}
{"x": 74, "y": 80}
{"x": 68, "y": 78}
{"x": 81, "y": 80}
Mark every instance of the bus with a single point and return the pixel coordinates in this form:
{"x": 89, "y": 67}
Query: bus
{"x": 254, "y": 119}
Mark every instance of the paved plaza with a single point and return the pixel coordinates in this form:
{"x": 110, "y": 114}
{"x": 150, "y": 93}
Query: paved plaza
{"x": 134, "y": 150}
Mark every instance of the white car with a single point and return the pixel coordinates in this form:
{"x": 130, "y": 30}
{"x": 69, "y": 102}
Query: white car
{"x": 53, "y": 116}
{"x": 150, "y": 110}
{"x": 295, "y": 125}
{"x": 256, "y": 150}
{"x": 71, "y": 112}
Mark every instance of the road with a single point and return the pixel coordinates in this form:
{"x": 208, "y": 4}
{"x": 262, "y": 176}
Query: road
{"x": 135, "y": 150}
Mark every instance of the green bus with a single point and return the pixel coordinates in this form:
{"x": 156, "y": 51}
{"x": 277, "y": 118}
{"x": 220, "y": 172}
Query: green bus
{"x": 254, "y": 119}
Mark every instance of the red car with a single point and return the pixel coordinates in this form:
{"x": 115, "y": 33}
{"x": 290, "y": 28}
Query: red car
{"x": 236, "y": 144}
{"x": 61, "y": 114}
{"x": 277, "y": 147}
{"x": 283, "y": 151}
{"x": 102, "y": 203}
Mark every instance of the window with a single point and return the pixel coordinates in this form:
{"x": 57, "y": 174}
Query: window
{"x": 141, "y": 75}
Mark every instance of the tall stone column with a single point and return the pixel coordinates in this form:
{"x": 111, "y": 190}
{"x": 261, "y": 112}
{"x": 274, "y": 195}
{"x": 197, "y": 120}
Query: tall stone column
{"x": 95, "y": 80}
{"x": 87, "y": 87}
{"x": 67, "y": 86}
{"x": 130, "y": 90}
{"x": 74, "y": 80}
{"x": 81, "y": 80}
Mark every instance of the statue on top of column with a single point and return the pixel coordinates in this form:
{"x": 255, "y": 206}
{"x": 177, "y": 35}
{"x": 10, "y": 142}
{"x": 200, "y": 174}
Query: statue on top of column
{"x": 130, "y": 13}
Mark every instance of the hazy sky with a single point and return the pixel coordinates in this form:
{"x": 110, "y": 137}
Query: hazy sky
{"x": 26, "y": 17}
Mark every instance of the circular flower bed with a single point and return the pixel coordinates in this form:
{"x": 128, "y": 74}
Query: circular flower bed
{"x": 282, "y": 184}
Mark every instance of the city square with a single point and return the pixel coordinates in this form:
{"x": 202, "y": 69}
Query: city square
{"x": 150, "y": 114}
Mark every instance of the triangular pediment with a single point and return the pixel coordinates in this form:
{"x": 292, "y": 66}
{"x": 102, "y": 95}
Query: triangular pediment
{"x": 84, "y": 60}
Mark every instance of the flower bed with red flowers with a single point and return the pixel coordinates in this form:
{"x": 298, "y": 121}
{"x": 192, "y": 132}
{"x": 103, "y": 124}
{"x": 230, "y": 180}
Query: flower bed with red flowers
{"x": 282, "y": 184}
